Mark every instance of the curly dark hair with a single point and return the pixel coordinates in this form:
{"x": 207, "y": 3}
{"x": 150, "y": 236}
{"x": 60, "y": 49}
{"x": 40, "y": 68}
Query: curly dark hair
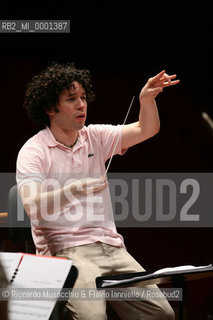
{"x": 44, "y": 89}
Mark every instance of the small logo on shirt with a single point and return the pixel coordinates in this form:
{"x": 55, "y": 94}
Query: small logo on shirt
{"x": 90, "y": 155}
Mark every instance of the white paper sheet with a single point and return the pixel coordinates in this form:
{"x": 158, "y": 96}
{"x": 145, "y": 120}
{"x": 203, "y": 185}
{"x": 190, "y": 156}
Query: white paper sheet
{"x": 34, "y": 273}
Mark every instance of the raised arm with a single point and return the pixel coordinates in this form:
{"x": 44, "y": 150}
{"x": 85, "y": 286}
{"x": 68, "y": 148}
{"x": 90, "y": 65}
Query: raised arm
{"x": 148, "y": 123}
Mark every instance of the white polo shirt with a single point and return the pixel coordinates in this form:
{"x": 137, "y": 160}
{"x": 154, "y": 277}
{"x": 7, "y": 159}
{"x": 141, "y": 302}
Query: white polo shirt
{"x": 86, "y": 219}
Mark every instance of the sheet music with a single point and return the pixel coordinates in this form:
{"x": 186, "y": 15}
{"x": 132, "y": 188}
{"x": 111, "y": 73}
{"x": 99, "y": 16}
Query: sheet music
{"x": 45, "y": 272}
{"x": 37, "y": 272}
{"x": 186, "y": 268}
{"x": 10, "y": 262}
{"x": 164, "y": 271}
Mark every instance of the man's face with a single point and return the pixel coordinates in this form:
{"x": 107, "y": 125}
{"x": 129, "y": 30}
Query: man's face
{"x": 72, "y": 108}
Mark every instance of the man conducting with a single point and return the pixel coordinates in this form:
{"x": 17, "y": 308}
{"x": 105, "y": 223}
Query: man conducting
{"x": 60, "y": 177}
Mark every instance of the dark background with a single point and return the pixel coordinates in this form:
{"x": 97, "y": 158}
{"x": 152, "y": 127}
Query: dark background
{"x": 123, "y": 44}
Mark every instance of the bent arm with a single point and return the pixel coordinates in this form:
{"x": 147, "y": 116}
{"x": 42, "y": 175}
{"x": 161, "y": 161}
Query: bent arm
{"x": 148, "y": 123}
{"x": 38, "y": 203}
{"x": 146, "y": 127}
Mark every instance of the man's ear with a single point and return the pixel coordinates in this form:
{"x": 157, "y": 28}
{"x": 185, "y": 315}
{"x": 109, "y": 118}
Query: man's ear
{"x": 50, "y": 111}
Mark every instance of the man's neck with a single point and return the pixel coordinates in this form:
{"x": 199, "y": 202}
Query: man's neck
{"x": 66, "y": 137}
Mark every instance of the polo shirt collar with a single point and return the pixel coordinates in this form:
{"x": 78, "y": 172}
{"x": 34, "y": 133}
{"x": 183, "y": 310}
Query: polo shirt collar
{"x": 52, "y": 142}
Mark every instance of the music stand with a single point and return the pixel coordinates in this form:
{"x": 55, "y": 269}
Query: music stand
{"x": 178, "y": 280}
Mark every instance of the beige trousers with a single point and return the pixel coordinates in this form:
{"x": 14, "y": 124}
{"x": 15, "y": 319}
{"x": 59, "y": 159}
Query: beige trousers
{"x": 97, "y": 259}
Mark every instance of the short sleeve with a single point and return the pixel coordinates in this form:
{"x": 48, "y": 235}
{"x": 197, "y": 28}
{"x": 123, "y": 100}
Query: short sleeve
{"x": 111, "y": 139}
{"x": 29, "y": 165}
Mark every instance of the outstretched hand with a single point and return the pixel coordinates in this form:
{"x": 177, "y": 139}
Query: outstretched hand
{"x": 156, "y": 84}
{"x": 90, "y": 186}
